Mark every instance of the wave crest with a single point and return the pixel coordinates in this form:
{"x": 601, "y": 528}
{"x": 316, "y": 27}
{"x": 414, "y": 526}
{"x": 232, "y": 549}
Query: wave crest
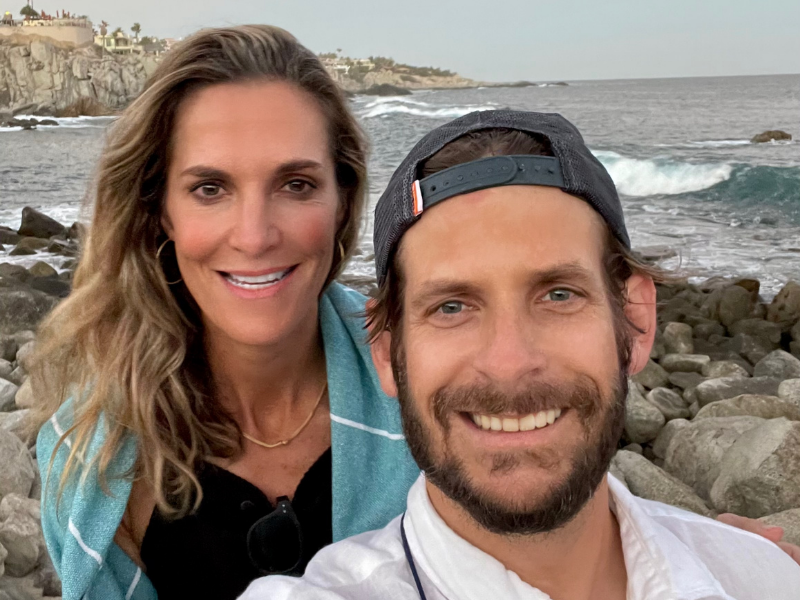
{"x": 384, "y": 107}
{"x": 642, "y": 177}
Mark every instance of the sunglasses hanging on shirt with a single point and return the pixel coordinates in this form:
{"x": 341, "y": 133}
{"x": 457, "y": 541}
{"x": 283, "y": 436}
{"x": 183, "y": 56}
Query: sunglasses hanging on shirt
{"x": 275, "y": 541}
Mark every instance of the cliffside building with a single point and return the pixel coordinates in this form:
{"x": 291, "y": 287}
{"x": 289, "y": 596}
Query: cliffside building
{"x": 118, "y": 43}
{"x": 73, "y": 31}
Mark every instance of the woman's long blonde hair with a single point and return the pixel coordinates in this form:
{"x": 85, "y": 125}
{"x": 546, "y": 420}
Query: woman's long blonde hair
{"x": 125, "y": 345}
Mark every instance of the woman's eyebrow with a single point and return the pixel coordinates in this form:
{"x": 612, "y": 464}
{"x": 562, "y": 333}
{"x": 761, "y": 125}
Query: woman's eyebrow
{"x": 205, "y": 172}
{"x": 297, "y": 165}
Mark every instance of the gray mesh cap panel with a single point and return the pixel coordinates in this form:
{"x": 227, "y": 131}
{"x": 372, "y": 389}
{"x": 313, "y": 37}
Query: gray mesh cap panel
{"x": 583, "y": 174}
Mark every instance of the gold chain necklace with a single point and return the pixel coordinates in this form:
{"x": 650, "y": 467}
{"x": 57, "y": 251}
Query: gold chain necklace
{"x": 296, "y": 433}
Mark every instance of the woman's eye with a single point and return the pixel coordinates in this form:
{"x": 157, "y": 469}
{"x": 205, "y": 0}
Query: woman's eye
{"x": 299, "y": 186}
{"x": 451, "y": 308}
{"x": 560, "y": 295}
{"x": 208, "y": 190}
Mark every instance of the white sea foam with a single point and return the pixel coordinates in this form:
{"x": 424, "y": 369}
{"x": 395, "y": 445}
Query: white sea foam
{"x": 67, "y": 122}
{"x": 638, "y": 177}
{"x": 401, "y": 105}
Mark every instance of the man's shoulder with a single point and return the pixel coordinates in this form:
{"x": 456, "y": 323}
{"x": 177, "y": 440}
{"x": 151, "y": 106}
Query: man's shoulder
{"x": 746, "y": 565}
{"x": 368, "y": 565}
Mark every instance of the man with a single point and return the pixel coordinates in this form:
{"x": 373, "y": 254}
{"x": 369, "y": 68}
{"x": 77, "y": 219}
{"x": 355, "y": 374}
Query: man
{"x": 510, "y": 314}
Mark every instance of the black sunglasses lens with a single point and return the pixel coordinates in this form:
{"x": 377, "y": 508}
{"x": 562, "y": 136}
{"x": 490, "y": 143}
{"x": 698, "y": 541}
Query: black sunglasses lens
{"x": 275, "y": 542}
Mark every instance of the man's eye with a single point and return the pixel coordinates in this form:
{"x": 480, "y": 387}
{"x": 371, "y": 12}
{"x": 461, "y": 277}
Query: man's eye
{"x": 451, "y": 308}
{"x": 560, "y": 295}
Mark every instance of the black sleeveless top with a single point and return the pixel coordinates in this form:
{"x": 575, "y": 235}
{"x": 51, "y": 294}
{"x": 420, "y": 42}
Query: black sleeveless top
{"x": 205, "y": 555}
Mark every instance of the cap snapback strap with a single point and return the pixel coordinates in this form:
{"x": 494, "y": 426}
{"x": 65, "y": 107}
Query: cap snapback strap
{"x": 493, "y": 171}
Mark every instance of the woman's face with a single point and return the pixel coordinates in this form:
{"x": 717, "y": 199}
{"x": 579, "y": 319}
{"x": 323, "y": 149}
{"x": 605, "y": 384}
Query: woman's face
{"x": 252, "y": 205}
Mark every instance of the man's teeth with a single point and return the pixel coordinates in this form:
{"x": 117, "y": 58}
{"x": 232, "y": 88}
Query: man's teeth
{"x": 256, "y": 283}
{"x": 526, "y": 423}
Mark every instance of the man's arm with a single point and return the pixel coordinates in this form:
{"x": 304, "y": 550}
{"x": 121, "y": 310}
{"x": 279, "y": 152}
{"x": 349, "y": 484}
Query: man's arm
{"x": 773, "y": 534}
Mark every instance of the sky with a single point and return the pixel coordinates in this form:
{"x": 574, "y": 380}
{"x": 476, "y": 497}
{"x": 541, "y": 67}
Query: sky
{"x": 501, "y": 40}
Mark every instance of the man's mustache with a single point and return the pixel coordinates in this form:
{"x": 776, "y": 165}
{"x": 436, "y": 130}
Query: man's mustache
{"x": 581, "y": 395}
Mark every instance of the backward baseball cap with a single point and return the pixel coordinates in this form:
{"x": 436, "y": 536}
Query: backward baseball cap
{"x": 581, "y": 175}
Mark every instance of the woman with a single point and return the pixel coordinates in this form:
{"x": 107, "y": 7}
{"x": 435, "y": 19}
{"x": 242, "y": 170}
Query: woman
{"x": 205, "y": 370}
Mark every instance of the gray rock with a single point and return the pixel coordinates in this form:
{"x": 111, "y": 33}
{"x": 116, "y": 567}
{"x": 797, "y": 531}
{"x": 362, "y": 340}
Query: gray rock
{"x": 686, "y": 381}
{"x": 670, "y": 403}
{"x": 790, "y": 390}
{"x": 661, "y": 443}
{"x": 24, "y": 354}
{"x": 687, "y": 363}
{"x": 652, "y": 376}
{"x": 758, "y": 328}
{"x": 37, "y": 224}
{"x": 709, "y": 328}
{"x": 24, "y": 336}
{"x": 16, "y": 422}
{"x": 694, "y": 408}
{"x": 730, "y": 387}
{"x": 32, "y": 243}
{"x": 20, "y": 588}
{"x": 789, "y": 521}
{"x": 22, "y": 307}
{"x": 20, "y": 535}
{"x": 7, "y": 392}
{"x": 752, "y": 348}
{"x": 695, "y": 451}
{"x": 735, "y": 304}
{"x": 8, "y": 347}
{"x": 779, "y": 364}
{"x": 52, "y": 286}
{"x": 14, "y": 503}
{"x": 3, "y": 555}
{"x": 46, "y": 578}
{"x": 637, "y": 448}
{"x": 646, "y": 480}
{"x": 724, "y": 368}
{"x": 17, "y": 376}
{"x": 25, "y": 397}
{"x": 771, "y": 135}
{"x": 643, "y": 420}
{"x": 678, "y": 338}
{"x": 753, "y": 405}
{"x": 760, "y": 474}
{"x": 42, "y": 269}
{"x": 6, "y": 368}
{"x": 785, "y": 307}
{"x": 18, "y": 473}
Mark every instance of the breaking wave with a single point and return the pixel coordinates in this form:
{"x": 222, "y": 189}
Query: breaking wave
{"x": 651, "y": 177}
{"x": 394, "y": 105}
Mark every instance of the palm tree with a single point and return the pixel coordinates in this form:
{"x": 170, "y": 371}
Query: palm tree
{"x": 136, "y": 29}
{"x": 103, "y": 32}
{"x": 28, "y": 11}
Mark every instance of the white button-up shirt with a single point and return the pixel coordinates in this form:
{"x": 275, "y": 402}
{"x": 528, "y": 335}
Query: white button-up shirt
{"x": 670, "y": 554}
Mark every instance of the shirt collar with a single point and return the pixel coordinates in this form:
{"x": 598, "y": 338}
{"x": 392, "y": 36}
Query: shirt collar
{"x": 659, "y": 565}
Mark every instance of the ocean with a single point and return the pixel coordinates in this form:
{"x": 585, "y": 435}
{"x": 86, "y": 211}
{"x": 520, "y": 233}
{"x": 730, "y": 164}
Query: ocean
{"x": 677, "y": 149}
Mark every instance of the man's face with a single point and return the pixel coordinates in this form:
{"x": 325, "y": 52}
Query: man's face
{"x": 506, "y": 361}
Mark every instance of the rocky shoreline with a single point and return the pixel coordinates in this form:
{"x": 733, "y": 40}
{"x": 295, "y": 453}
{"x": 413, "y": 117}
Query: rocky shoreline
{"x": 712, "y": 424}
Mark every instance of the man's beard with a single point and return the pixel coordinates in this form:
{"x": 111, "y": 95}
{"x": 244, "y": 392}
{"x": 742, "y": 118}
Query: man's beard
{"x": 602, "y": 419}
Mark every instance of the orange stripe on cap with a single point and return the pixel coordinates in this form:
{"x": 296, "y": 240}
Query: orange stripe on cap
{"x": 416, "y": 193}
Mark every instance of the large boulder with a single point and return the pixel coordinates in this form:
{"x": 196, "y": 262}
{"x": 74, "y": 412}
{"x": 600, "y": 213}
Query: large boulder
{"x": 790, "y": 390}
{"x": 724, "y": 368}
{"x": 770, "y": 136}
{"x": 643, "y": 420}
{"x": 20, "y": 535}
{"x": 7, "y": 392}
{"x": 18, "y": 472}
{"x": 42, "y": 269}
{"x": 758, "y": 328}
{"x": 723, "y": 388}
{"x": 25, "y": 353}
{"x": 760, "y": 474}
{"x": 670, "y": 403}
{"x": 664, "y": 438}
{"x": 778, "y": 364}
{"x": 22, "y": 307}
{"x": 785, "y": 307}
{"x": 37, "y": 224}
{"x": 753, "y": 405}
{"x": 32, "y": 243}
{"x": 16, "y": 422}
{"x": 8, "y": 348}
{"x": 678, "y": 338}
{"x": 646, "y": 480}
{"x": 736, "y": 303}
{"x": 652, "y": 376}
{"x": 789, "y": 521}
{"x": 25, "y": 398}
{"x": 695, "y": 451}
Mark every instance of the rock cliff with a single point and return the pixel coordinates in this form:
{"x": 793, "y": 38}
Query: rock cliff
{"x": 42, "y": 76}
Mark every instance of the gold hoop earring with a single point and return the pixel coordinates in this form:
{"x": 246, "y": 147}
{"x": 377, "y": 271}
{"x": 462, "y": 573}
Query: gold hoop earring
{"x": 341, "y": 249}
{"x": 158, "y": 259}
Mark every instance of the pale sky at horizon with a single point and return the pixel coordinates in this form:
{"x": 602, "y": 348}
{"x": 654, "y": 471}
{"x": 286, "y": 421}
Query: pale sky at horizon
{"x": 502, "y": 41}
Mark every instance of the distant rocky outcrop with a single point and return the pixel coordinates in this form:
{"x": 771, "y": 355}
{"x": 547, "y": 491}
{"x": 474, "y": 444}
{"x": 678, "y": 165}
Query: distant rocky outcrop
{"x": 775, "y": 135}
{"x": 40, "y": 76}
